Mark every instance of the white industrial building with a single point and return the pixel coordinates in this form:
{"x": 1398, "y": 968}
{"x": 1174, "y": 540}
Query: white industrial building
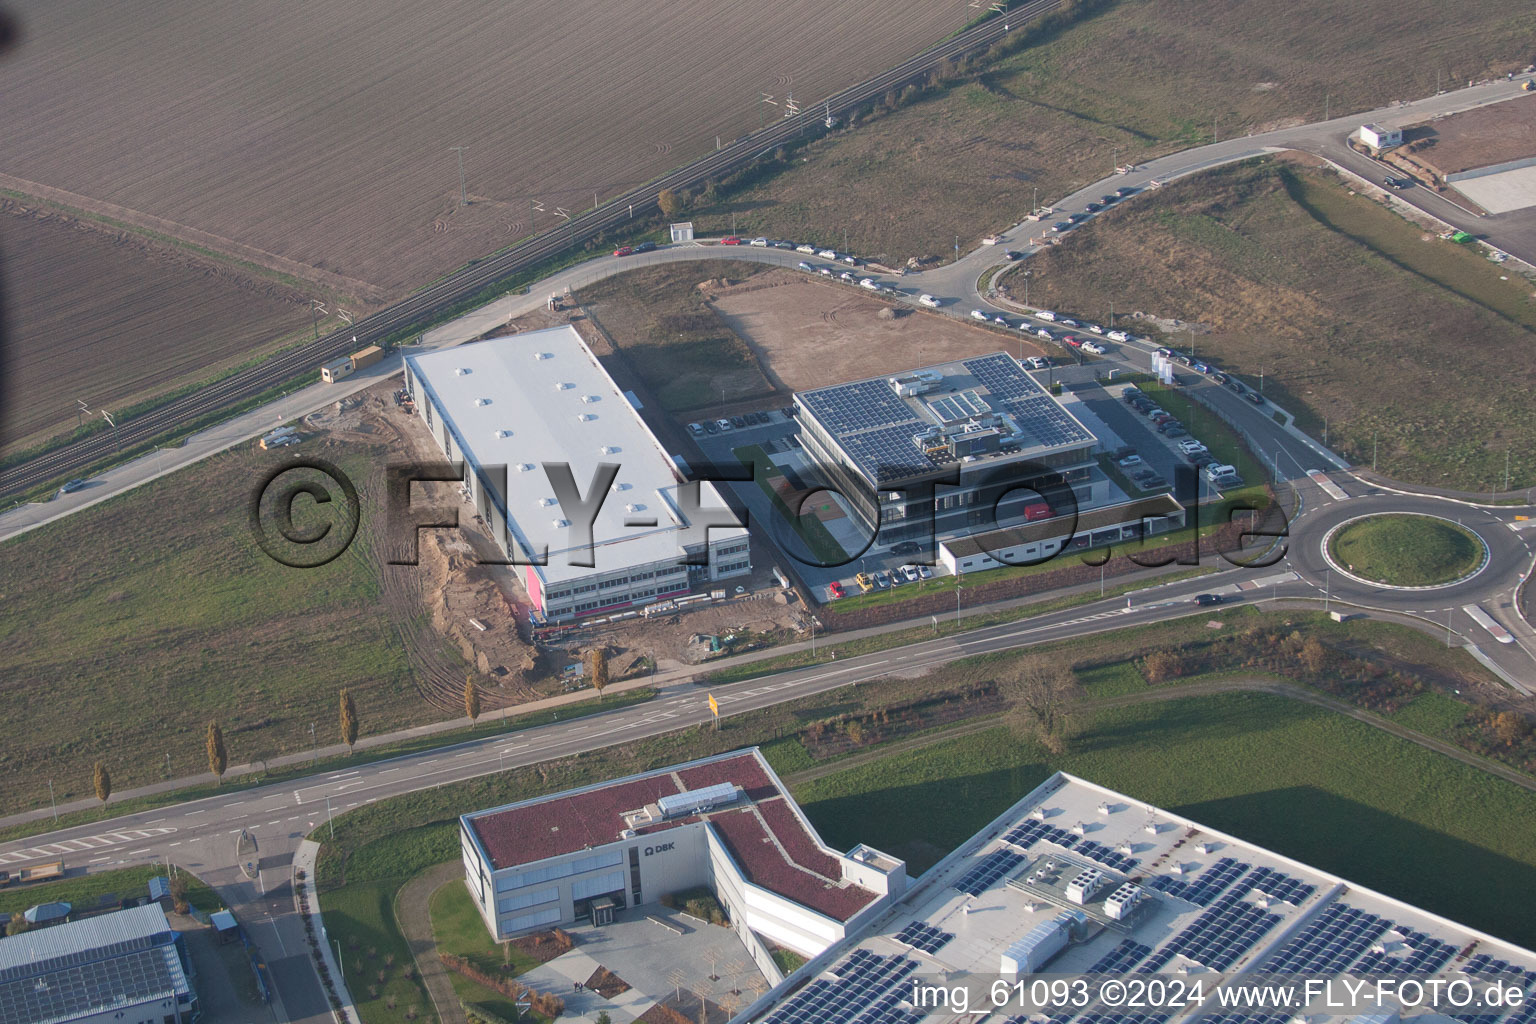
{"x": 1035, "y": 542}
{"x": 1077, "y": 880}
{"x": 126, "y": 967}
{"x": 514, "y": 410}
{"x": 1379, "y": 138}
{"x": 725, "y": 822}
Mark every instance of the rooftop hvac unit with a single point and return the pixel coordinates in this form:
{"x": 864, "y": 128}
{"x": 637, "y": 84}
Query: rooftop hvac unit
{"x": 1080, "y": 829}
{"x": 627, "y": 833}
{"x": 618, "y": 486}
{"x": 560, "y": 524}
{"x": 564, "y": 385}
{"x": 585, "y": 417}
{"x": 482, "y": 401}
{"x": 634, "y": 508}
{"x": 461, "y": 371}
{"x": 695, "y": 801}
{"x": 1038, "y": 814}
{"x": 525, "y": 467}
{"x": 546, "y": 502}
{"x": 1203, "y": 847}
{"x": 543, "y": 355}
{"x": 607, "y": 449}
{"x": 1103, "y": 808}
{"x": 588, "y": 399}
{"x": 503, "y": 433}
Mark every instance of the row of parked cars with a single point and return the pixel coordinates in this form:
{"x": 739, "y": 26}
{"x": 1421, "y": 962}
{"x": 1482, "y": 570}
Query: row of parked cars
{"x": 1226, "y": 380}
{"x": 883, "y": 579}
{"x": 724, "y": 424}
{"x": 1191, "y": 449}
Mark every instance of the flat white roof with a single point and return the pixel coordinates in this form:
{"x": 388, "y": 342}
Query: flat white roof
{"x": 1213, "y": 905}
{"x": 542, "y": 396}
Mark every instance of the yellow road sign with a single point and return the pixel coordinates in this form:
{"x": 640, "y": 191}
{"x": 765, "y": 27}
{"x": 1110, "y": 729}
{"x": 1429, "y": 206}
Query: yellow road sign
{"x": 714, "y": 706}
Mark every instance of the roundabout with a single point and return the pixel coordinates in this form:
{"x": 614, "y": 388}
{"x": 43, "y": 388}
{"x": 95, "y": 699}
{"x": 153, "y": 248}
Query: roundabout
{"x": 1405, "y": 550}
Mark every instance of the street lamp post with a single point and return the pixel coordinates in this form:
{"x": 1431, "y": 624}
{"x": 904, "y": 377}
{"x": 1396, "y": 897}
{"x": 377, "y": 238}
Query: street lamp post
{"x": 314, "y": 745}
{"x": 51, "y": 802}
{"x": 328, "y": 819}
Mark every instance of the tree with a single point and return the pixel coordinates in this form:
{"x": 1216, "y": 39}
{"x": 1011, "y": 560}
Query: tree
{"x": 102, "y": 779}
{"x": 1042, "y": 696}
{"x": 603, "y": 1018}
{"x": 471, "y": 698}
{"x": 670, "y": 205}
{"x": 597, "y": 669}
{"x": 218, "y": 758}
{"x": 19, "y": 923}
{"x": 348, "y": 720}
{"x": 1162, "y": 665}
{"x": 1509, "y": 727}
{"x": 1313, "y": 656}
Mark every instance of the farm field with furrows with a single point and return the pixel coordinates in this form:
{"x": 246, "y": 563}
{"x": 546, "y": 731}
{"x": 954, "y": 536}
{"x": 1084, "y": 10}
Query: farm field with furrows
{"x": 108, "y": 317}
{"x": 325, "y": 138}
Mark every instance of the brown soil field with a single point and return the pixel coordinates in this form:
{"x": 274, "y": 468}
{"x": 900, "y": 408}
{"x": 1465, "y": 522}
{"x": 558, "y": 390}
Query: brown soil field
{"x": 325, "y": 138}
{"x": 810, "y": 334}
{"x": 1476, "y": 138}
{"x": 1397, "y": 346}
{"x": 108, "y": 317}
{"x": 1139, "y": 78}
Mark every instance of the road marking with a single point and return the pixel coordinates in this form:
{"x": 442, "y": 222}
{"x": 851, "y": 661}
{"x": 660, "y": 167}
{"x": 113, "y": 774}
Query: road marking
{"x": 432, "y": 761}
{"x": 135, "y": 853}
{"x": 190, "y": 813}
{"x": 386, "y": 771}
{"x": 277, "y": 822}
{"x": 343, "y": 775}
{"x": 176, "y": 843}
{"x": 95, "y": 859}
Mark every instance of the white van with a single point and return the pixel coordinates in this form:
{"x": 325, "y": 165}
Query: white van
{"x": 1213, "y": 471}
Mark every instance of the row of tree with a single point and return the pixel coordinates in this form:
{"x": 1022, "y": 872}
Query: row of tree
{"x": 218, "y": 755}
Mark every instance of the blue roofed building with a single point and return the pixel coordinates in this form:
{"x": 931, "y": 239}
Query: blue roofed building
{"x": 126, "y": 967}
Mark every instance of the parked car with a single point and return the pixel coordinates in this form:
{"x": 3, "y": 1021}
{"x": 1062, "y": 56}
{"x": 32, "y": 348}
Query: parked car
{"x": 731, "y": 240}
{"x": 738, "y": 422}
{"x": 1397, "y": 183}
{"x": 782, "y": 245}
{"x": 1071, "y": 342}
{"x": 977, "y": 314}
{"x": 1173, "y": 428}
{"x": 1094, "y": 207}
{"x": 1130, "y": 460}
{"x": 1202, "y": 459}
{"x": 711, "y": 427}
{"x": 1001, "y": 321}
{"x": 827, "y": 254}
{"x": 1094, "y": 347}
{"x": 72, "y": 486}
{"x": 1066, "y": 321}
{"x": 865, "y": 581}
{"x": 1235, "y": 385}
{"x": 1094, "y": 328}
{"x": 1191, "y": 446}
{"x": 696, "y": 429}
{"x": 1044, "y": 314}
{"x": 882, "y": 579}
{"x": 1077, "y": 218}
{"x": 932, "y": 302}
{"x": 1207, "y": 599}
{"x": 1212, "y": 472}
{"x": 911, "y": 573}
{"x": 1013, "y": 254}
{"x": 825, "y": 271}
{"x": 1254, "y": 397}
{"x": 847, "y": 275}
{"x": 645, "y": 247}
{"x": 805, "y": 266}
{"x": 907, "y": 547}
{"x": 624, "y": 250}
{"x": 761, "y": 243}
{"x": 1108, "y": 198}
{"x": 835, "y": 590}
{"x": 1121, "y": 193}
{"x": 809, "y": 250}
{"x": 1036, "y": 363}
{"x": 1061, "y": 226}
{"x": 852, "y": 261}
{"x": 1200, "y": 367}
{"x": 1118, "y": 336}
{"x": 870, "y": 283}
{"x": 1041, "y": 332}
{"x": 897, "y": 578}
{"x": 1219, "y": 377}
{"x": 1165, "y": 352}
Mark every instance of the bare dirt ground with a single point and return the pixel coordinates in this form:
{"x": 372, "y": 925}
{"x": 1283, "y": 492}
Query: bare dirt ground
{"x": 325, "y": 139}
{"x": 1476, "y": 138}
{"x": 107, "y": 317}
{"x": 808, "y": 334}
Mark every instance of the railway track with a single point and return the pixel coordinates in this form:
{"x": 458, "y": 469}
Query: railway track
{"x": 424, "y": 305}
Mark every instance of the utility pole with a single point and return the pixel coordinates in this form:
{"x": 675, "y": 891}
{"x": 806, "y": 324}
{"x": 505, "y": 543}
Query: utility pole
{"x": 108, "y": 417}
{"x": 1506, "y": 469}
{"x": 331, "y": 822}
{"x": 957, "y": 248}
{"x": 52, "y": 803}
{"x": 1036, "y": 204}
{"x": 463, "y": 194}
{"x": 1373, "y": 451}
{"x": 314, "y": 745}
{"x": 1026, "y": 286}
{"x": 1327, "y": 97}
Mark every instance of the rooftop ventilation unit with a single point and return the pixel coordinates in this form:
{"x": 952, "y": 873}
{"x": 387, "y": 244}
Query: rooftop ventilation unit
{"x": 585, "y": 417}
{"x": 560, "y": 524}
{"x": 634, "y": 508}
{"x": 618, "y": 486}
{"x": 546, "y": 502}
{"x": 503, "y": 433}
{"x": 697, "y": 801}
{"x": 564, "y": 385}
{"x": 588, "y": 399}
{"x": 1103, "y": 808}
{"x": 543, "y": 355}
{"x": 607, "y": 449}
{"x": 482, "y": 401}
{"x": 525, "y": 467}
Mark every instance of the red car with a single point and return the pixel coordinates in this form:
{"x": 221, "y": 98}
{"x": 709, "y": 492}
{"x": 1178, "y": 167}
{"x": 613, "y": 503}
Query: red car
{"x": 1071, "y": 342}
{"x": 730, "y": 240}
{"x": 623, "y": 250}
{"x": 835, "y": 589}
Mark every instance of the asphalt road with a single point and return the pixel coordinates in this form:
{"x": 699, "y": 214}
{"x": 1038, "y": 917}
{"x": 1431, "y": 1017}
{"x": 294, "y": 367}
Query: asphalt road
{"x": 200, "y": 834}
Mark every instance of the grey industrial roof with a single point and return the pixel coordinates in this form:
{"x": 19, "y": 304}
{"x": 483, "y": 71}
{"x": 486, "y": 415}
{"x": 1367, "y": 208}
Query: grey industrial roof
{"x": 875, "y": 426}
{"x": 58, "y": 974}
{"x": 542, "y": 396}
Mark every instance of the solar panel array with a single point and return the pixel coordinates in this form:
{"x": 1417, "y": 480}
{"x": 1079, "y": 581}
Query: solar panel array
{"x": 1277, "y": 886}
{"x": 961, "y": 405}
{"x": 1106, "y": 856}
{"x": 987, "y": 871}
{"x": 1218, "y": 938}
{"x": 1424, "y": 954}
{"x": 866, "y": 992}
{"x": 1026, "y": 834}
{"x": 72, "y": 989}
{"x": 1333, "y": 941}
{"x": 888, "y": 453}
{"x": 862, "y": 405}
{"x": 1487, "y": 968}
{"x": 925, "y": 937}
{"x": 1043, "y": 421}
{"x": 1122, "y": 958}
{"x": 1204, "y": 889}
